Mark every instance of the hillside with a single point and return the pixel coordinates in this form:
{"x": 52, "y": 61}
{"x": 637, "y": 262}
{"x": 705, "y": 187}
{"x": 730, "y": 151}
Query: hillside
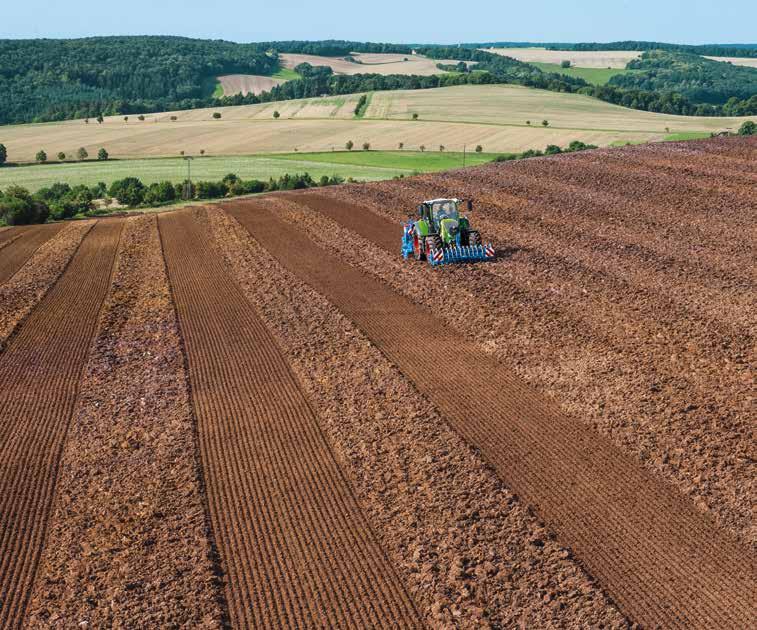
{"x": 494, "y": 116}
{"x": 699, "y": 79}
{"x": 58, "y": 79}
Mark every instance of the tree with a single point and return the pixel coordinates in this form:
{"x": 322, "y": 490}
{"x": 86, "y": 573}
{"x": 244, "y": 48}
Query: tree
{"x": 276, "y": 114}
{"x": 217, "y": 115}
{"x": 3, "y": 154}
{"x": 401, "y": 145}
{"x": 748, "y": 128}
{"x": 41, "y": 157}
{"x": 349, "y": 145}
{"x": 18, "y": 207}
{"x": 565, "y": 63}
{"x": 100, "y": 119}
{"x": 129, "y": 191}
{"x": 174, "y": 118}
{"x": 552, "y": 149}
{"x": 126, "y": 119}
{"x": 441, "y": 148}
{"x": 528, "y": 122}
{"x": 86, "y": 121}
{"x": 366, "y": 146}
{"x": 202, "y": 151}
{"x": 415, "y": 116}
{"x": 141, "y": 118}
{"x": 181, "y": 153}
{"x": 422, "y": 148}
{"x": 82, "y": 154}
{"x": 102, "y": 155}
{"x": 479, "y": 148}
{"x": 61, "y": 156}
{"x": 545, "y": 123}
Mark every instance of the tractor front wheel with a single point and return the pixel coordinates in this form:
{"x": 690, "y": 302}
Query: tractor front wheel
{"x": 432, "y": 242}
{"x": 418, "y": 249}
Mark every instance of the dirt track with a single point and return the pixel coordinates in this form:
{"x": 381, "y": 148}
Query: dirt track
{"x": 40, "y": 371}
{"x": 293, "y": 542}
{"x": 289, "y": 425}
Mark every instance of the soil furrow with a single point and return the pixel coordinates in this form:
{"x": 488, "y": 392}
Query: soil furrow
{"x": 15, "y": 254}
{"x": 40, "y": 371}
{"x": 663, "y": 562}
{"x": 268, "y": 467}
{"x": 128, "y": 542}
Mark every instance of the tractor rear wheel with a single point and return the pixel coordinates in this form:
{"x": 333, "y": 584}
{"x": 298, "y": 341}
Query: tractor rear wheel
{"x": 433, "y": 242}
{"x": 474, "y": 238}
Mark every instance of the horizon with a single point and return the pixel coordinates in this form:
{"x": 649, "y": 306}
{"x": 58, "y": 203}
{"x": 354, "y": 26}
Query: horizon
{"x": 696, "y": 22}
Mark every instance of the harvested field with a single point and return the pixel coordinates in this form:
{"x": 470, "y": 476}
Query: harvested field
{"x": 579, "y": 58}
{"x": 258, "y": 415}
{"x": 369, "y": 63}
{"x": 247, "y": 84}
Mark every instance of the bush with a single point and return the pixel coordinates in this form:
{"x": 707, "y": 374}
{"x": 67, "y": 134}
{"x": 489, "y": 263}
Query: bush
{"x": 141, "y": 118}
{"x": 545, "y": 123}
{"x": 61, "y": 156}
{"x": 479, "y": 148}
{"x": 366, "y": 146}
{"x": 66, "y": 202}
{"x": 748, "y": 128}
{"x": 276, "y": 114}
{"x": 41, "y": 157}
{"x": 174, "y": 118}
{"x": 129, "y": 191}
{"x": 210, "y": 190}
{"x": 552, "y": 149}
{"x": 217, "y": 115}
{"x": 565, "y": 63}
{"x": 159, "y": 193}
{"x": 18, "y": 207}
{"x": 102, "y": 155}
{"x": 349, "y": 145}
{"x": 3, "y": 154}
{"x": 415, "y": 116}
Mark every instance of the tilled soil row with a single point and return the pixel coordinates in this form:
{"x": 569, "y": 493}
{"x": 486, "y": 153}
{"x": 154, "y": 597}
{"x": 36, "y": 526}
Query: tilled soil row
{"x": 470, "y": 552}
{"x": 673, "y": 366}
{"x": 29, "y": 284}
{"x": 293, "y": 542}
{"x": 40, "y": 371}
{"x": 19, "y": 250}
{"x": 674, "y": 569}
{"x": 128, "y": 543}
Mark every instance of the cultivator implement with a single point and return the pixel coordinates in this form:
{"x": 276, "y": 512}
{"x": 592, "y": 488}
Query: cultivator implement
{"x": 460, "y": 254}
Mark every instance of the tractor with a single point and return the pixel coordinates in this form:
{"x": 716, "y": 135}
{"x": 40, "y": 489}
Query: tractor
{"x": 441, "y": 235}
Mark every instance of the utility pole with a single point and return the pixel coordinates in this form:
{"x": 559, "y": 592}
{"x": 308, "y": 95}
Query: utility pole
{"x": 188, "y": 183}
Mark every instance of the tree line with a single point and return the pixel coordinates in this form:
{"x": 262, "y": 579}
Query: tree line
{"x": 713, "y": 50}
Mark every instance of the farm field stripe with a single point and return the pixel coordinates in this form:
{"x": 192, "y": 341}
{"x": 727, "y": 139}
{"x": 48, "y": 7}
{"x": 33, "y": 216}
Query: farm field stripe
{"x": 20, "y": 249}
{"x": 40, "y": 371}
{"x": 660, "y": 560}
{"x": 294, "y": 545}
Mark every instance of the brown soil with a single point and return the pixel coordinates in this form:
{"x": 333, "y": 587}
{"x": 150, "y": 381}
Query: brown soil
{"x": 40, "y": 370}
{"x": 18, "y": 249}
{"x": 627, "y": 299}
{"x": 128, "y": 543}
{"x": 20, "y": 294}
{"x": 469, "y": 550}
{"x": 655, "y": 568}
{"x": 294, "y": 545}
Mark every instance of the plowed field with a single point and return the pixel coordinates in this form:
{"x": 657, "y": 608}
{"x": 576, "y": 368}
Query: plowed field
{"x": 259, "y": 415}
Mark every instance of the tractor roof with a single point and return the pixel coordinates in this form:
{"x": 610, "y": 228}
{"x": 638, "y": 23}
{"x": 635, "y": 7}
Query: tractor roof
{"x": 432, "y": 201}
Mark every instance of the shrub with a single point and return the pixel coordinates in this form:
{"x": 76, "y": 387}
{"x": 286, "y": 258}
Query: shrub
{"x": 545, "y": 123}
{"x": 66, "y": 202}
{"x": 129, "y": 191}
{"x": 210, "y": 190}
{"x": 3, "y": 154}
{"x": 41, "y": 157}
{"x": 415, "y": 116}
{"x": 349, "y": 145}
{"x": 102, "y": 155}
{"x": 748, "y": 128}
{"x": 479, "y": 148}
{"x": 401, "y": 145}
{"x": 174, "y": 118}
{"x": 18, "y": 207}
{"x": 160, "y": 192}
{"x": 217, "y": 115}
{"x": 366, "y": 146}
{"x": 100, "y": 120}
{"x": 126, "y": 119}
{"x": 552, "y": 149}
{"x": 82, "y": 154}
{"x": 276, "y": 114}
{"x": 565, "y": 63}
{"x": 61, "y": 156}
{"x": 141, "y": 117}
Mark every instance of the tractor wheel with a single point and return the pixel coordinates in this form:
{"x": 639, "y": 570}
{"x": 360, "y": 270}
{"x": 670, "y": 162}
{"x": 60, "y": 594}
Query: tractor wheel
{"x": 419, "y": 251}
{"x": 432, "y": 242}
{"x": 474, "y": 238}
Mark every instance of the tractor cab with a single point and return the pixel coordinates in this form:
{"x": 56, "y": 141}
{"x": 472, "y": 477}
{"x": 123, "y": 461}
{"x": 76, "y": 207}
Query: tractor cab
{"x": 436, "y": 210}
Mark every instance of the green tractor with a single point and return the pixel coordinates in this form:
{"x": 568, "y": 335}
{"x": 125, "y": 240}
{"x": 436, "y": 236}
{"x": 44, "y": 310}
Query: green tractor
{"x": 441, "y": 235}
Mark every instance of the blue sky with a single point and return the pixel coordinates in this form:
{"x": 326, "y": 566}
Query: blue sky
{"x": 442, "y": 21}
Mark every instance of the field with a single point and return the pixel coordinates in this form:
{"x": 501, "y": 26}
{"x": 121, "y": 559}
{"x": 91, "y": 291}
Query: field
{"x": 369, "y": 63}
{"x": 258, "y": 414}
{"x": 246, "y": 84}
{"x": 595, "y": 76}
{"x": 579, "y": 58}
{"x": 493, "y": 116}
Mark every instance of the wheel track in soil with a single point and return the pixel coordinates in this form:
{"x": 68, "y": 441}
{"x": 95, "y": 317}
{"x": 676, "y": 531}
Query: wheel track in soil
{"x": 40, "y": 372}
{"x": 294, "y": 544}
{"x": 674, "y": 570}
{"x": 18, "y": 249}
